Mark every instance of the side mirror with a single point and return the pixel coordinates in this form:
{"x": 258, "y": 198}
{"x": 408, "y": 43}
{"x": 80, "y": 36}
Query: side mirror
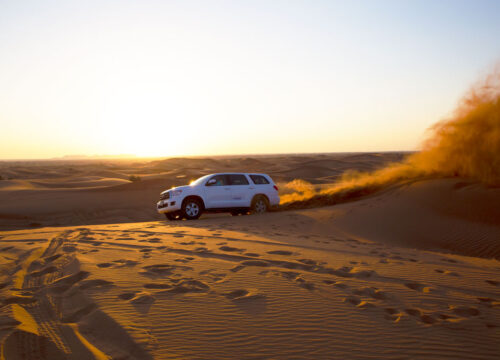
{"x": 211, "y": 182}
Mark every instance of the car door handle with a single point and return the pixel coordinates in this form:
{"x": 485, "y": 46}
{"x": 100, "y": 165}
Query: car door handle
{"x": 251, "y": 188}
{"x": 227, "y": 188}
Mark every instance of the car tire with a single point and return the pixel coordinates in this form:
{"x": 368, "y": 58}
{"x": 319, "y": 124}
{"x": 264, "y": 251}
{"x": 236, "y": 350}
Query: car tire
{"x": 260, "y": 205}
{"x": 173, "y": 216}
{"x": 191, "y": 209}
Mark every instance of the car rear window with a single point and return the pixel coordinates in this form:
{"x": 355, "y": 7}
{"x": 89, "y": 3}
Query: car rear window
{"x": 235, "y": 179}
{"x": 259, "y": 179}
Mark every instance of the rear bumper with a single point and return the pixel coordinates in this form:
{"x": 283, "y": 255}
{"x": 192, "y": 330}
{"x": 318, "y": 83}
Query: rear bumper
{"x": 166, "y": 206}
{"x": 274, "y": 200}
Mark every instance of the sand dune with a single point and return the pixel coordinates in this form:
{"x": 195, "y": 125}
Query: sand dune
{"x": 408, "y": 272}
{"x": 223, "y": 288}
{"x": 447, "y": 215}
{"x": 94, "y": 191}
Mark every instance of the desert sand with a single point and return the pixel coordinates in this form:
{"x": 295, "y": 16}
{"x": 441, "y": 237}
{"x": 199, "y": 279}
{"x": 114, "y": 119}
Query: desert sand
{"x": 90, "y": 271}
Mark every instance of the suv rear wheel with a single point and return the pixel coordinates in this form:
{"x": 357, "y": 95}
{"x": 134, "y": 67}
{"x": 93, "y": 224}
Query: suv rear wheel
{"x": 259, "y": 205}
{"x": 191, "y": 209}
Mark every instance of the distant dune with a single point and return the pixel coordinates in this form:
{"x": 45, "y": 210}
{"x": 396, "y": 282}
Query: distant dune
{"x": 98, "y": 191}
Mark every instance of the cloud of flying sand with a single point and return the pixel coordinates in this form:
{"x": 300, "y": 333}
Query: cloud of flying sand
{"x": 465, "y": 145}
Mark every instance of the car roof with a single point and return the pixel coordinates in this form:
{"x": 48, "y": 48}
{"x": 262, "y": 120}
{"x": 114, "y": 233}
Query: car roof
{"x": 237, "y": 173}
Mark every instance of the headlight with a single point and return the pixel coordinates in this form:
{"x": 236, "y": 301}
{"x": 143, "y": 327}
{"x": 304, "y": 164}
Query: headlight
{"x": 175, "y": 192}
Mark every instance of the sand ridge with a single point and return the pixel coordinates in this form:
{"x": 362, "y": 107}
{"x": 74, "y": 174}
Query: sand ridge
{"x": 223, "y": 287}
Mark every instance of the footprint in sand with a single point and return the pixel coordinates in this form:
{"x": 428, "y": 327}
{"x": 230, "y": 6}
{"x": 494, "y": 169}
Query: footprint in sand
{"x": 489, "y": 302}
{"x": 64, "y": 283}
{"x": 237, "y": 268}
{"x": 280, "y": 252}
{"x": 308, "y": 262}
{"x": 418, "y": 287}
{"x": 465, "y": 311}
{"x": 214, "y": 275}
{"x": 127, "y": 295}
{"x": 97, "y": 283}
{"x": 290, "y": 275}
{"x": 347, "y": 271}
{"x": 243, "y": 295}
{"x": 252, "y": 254}
{"x": 340, "y": 285}
{"x": 447, "y": 272}
{"x": 187, "y": 286}
{"x": 161, "y": 270}
{"x": 202, "y": 250}
{"x": 354, "y": 300}
{"x": 261, "y": 263}
{"x": 371, "y": 292}
{"x": 305, "y": 284}
{"x": 142, "y": 298}
{"x": 69, "y": 248}
{"x": 428, "y": 319}
{"x": 125, "y": 262}
{"x": 104, "y": 265}
{"x": 186, "y": 242}
{"x": 413, "y": 312}
{"x": 230, "y": 249}
{"x": 366, "y": 305}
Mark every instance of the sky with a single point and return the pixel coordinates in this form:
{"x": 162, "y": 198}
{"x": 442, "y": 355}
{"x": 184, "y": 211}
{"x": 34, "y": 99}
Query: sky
{"x": 172, "y": 78}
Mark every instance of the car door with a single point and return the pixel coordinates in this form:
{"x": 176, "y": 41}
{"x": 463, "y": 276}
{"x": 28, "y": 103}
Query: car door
{"x": 240, "y": 190}
{"x": 217, "y": 192}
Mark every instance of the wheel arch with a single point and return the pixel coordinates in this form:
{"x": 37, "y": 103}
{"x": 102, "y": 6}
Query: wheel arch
{"x": 195, "y": 197}
{"x": 260, "y": 195}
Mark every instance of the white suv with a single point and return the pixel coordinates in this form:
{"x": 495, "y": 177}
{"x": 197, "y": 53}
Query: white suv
{"x": 237, "y": 193}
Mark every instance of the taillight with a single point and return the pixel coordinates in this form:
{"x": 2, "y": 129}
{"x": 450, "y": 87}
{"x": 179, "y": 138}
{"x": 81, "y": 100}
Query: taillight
{"x": 275, "y": 187}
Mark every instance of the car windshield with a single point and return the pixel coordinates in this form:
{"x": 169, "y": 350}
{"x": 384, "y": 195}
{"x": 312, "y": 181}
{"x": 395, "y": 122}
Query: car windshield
{"x": 199, "y": 181}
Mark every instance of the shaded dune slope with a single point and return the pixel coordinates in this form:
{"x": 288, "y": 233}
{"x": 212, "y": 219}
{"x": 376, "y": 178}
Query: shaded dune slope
{"x": 446, "y": 215}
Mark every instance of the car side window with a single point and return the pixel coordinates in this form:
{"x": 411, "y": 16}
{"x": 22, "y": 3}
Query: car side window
{"x": 238, "y": 179}
{"x": 217, "y": 180}
{"x": 259, "y": 179}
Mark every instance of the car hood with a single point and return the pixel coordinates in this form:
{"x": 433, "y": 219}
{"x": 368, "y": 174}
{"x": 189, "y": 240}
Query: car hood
{"x": 183, "y": 188}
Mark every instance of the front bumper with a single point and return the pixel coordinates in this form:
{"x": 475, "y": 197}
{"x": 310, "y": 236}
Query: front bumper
{"x": 169, "y": 205}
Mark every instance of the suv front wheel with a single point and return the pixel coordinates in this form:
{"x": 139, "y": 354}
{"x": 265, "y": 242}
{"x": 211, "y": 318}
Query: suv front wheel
{"x": 191, "y": 209}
